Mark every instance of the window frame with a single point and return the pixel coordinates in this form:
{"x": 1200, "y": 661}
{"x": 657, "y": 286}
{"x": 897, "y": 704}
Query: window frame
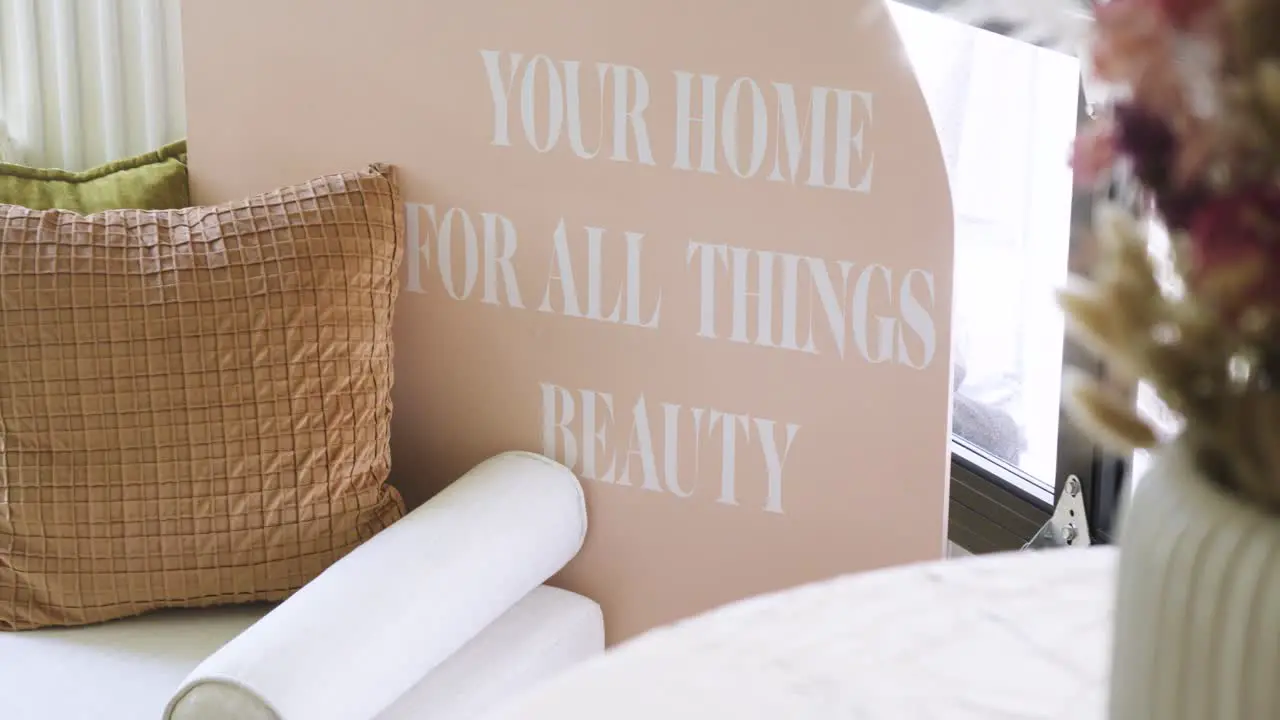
{"x": 1100, "y": 473}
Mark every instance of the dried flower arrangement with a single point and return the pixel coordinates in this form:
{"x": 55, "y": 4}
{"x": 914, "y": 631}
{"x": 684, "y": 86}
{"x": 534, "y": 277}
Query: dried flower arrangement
{"x": 1194, "y": 122}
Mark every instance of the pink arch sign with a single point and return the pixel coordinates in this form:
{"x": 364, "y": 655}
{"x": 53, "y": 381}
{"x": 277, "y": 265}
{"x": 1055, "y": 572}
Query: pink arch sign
{"x": 699, "y": 252}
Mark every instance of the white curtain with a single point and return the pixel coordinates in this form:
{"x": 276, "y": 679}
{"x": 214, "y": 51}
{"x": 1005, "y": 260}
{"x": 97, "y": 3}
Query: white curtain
{"x": 84, "y": 82}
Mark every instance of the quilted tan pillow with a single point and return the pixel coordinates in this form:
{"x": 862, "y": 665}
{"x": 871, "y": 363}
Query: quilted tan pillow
{"x": 194, "y": 404}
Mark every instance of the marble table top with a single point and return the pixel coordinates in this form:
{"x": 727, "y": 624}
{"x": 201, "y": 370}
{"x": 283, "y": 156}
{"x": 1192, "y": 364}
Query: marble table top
{"x": 1018, "y": 635}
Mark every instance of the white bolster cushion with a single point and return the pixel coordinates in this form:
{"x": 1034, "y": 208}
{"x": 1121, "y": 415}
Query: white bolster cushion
{"x": 375, "y": 623}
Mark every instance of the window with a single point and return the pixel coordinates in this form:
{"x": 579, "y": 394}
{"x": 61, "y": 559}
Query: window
{"x": 1006, "y": 112}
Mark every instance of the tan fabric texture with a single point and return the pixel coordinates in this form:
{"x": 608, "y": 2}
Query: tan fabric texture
{"x": 194, "y": 404}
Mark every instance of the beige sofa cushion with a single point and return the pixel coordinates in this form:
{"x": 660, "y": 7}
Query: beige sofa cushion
{"x": 194, "y": 404}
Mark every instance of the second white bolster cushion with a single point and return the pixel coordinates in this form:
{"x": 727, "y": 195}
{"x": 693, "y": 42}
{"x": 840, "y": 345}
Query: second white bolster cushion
{"x": 353, "y": 640}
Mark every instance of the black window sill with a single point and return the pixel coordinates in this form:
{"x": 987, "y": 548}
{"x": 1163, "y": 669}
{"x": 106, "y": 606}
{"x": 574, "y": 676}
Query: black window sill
{"x": 994, "y": 507}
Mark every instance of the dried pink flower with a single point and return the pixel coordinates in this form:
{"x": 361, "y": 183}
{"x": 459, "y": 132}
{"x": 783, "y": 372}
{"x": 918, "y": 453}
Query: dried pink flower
{"x": 1241, "y": 227}
{"x": 1168, "y": 75}
{"x": 1186, "y": 14}
{"x": 1094, "y": 152}
{"x": 1130, "y": 37}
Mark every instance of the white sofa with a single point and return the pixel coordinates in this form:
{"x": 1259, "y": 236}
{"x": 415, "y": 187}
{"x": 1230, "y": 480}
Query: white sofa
{"x": 442, "y": 616}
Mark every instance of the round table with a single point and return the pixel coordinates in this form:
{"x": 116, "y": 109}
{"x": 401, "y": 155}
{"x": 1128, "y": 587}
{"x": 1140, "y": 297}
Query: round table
{"x": 1018, "y": 635}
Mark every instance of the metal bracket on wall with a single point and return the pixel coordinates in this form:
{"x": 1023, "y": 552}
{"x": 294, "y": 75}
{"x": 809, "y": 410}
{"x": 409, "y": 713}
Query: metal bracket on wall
{"x": 1069, "y": 526}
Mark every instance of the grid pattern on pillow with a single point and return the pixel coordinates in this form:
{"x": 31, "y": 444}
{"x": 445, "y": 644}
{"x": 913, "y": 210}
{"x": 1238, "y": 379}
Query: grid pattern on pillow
{"x": 194, "y": 404}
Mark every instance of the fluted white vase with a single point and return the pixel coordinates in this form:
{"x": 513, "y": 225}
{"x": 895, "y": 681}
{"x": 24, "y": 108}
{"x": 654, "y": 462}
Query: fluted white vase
{"x": 1197, "y": 616}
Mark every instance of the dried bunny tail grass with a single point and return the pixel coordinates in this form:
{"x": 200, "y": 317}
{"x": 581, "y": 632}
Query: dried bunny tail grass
{"x": 1129, "y": 281}
{"x": 1110, "y": 419}
{"x": 1230, "y": 284}
{"x": 1118, "y": 229}
{"x": 1091, "y": 316}
{"x": 1061, "y": 25}
{"x": 1241, "y": 444}
{"x": 1267, "y": 87}
{"x": 1259, "y": 426}
{"x": 1125, "y": 253}
{"x": 1094, "y": 319}
{"x": 1124, "y": 316}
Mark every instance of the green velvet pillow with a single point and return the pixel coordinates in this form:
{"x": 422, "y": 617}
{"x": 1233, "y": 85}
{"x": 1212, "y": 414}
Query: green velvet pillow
{"x": 154, "y": 181}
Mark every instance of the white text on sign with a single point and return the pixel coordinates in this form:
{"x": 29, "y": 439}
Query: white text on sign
{"x": 580, "y": 428}
{"x": 738, "y": 126}
{"x": 764, "y": 298}
{"x": 478, "y": 264}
